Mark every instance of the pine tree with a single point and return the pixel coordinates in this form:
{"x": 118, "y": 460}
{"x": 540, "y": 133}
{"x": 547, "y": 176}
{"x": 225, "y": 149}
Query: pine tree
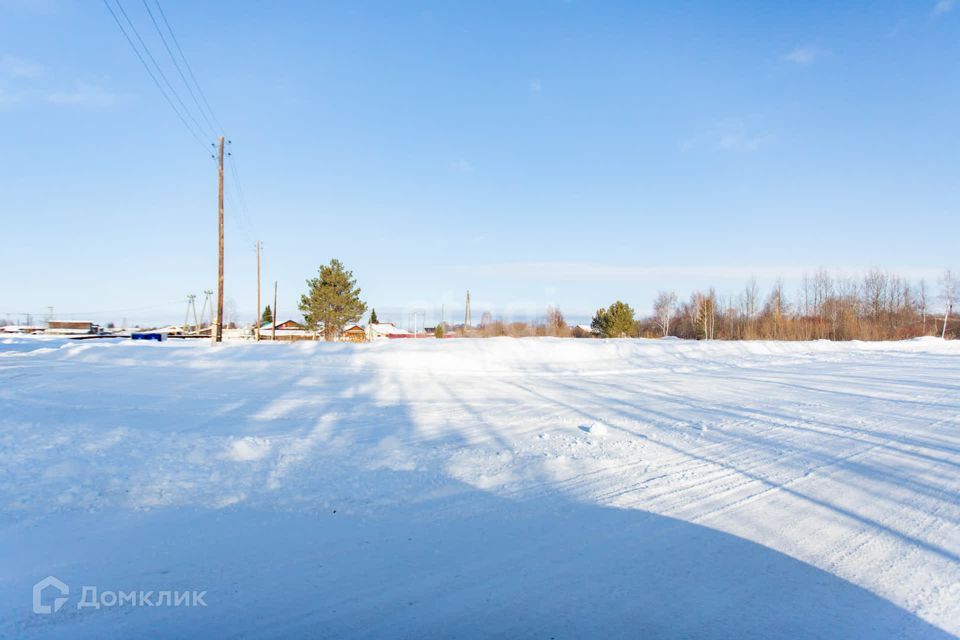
{"x": 332, "y": 299}
{"x": 373, "y": 317}
{"x": 267, "y": 317}
{"x": 616, "y": 321}
{"x": 438, "y": 332}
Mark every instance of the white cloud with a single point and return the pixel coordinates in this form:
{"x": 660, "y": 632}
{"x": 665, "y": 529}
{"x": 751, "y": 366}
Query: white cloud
{"x": 743, "y": 142}
{"x": 462, "y": 166}
{"x": 803, "y": 55}
{"x": 26, "y": 82}
{"x": 84, "y": 94}
{"x": 535, "y": 87}
{"x": 600, "y": 271}
{"x": 732, "y": 136}
{"x": 944, "y": 6}
{"x": 13, "y": 67}
{"x": 9, "y": 97}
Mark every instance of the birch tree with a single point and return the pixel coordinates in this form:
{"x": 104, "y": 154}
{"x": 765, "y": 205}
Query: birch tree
{"x": 663, "y": 308}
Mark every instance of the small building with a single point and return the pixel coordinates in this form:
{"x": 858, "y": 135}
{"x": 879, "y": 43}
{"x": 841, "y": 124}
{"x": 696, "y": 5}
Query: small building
{"x": 383, "y": 330}
{"x": 70, "y": 327}
{"x": 353, "y": 333}
{"x": 584, "y": 331}
{"x": 289, "y": 330}
{"x": 22, "y": 328}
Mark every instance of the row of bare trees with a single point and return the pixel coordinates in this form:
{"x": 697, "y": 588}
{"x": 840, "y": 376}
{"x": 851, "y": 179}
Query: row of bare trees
{"x": 879, "y": 306}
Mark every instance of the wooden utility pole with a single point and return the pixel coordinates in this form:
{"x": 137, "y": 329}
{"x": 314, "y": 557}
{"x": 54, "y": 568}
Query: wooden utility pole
{"x": 218, "y": 326}
{"x": 273, "y": 325}
{"x": 256, "y": 318}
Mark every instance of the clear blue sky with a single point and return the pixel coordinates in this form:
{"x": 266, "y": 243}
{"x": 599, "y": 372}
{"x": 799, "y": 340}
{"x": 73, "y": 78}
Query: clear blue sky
{"x": 538, "y": 153}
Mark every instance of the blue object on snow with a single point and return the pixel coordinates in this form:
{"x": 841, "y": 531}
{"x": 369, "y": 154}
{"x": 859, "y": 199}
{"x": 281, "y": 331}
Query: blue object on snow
{"x": 159, "y": 337}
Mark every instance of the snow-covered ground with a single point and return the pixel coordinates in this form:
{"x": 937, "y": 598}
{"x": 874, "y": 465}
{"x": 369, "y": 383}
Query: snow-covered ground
{"x": 483, "y": 488}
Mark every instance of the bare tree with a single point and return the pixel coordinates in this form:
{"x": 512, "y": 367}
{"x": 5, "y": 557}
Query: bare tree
{"x": 874, "y": 289}
{"x": 556, "y": 325}
{"x": 922, "y": 304}
{"x": 663, "y": 308}
{"x": 822, "y": 291}
{"x": 946, "y": 281}
{"x": 750, "y": 295}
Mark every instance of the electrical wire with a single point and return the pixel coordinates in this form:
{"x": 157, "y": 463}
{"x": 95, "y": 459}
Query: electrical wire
{"x": 152, "y": 76}
{"x": 157, "y": 65}
{"x": 186, "y": 63}
{"x": 173, "y": 58}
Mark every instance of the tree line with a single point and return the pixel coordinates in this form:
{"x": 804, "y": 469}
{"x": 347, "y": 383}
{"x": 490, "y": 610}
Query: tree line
{"x": 879, "y": 306}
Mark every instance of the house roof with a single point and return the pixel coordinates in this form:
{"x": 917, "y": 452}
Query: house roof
{"x": 293, "y": 325}
{"x": 389, "y": 329}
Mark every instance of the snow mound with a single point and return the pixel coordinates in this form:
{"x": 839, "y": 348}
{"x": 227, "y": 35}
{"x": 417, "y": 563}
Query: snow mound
{"x": 248, "y": 449}
{"x": 597, "y": 429}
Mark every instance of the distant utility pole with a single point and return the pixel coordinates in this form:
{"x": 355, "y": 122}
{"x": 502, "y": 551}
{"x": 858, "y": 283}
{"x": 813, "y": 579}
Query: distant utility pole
{"x": 217, "y": 332}
{"x": 209, "y": 297}
{"x": 207, "y": 304}
{"x": 273, "y": 325}
{"x": 256, "y": 318}
{"x": 186, "y": 316}
{"x": 467, "y": 320}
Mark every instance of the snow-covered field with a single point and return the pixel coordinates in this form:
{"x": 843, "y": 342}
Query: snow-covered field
{"x": 483, "y": 488}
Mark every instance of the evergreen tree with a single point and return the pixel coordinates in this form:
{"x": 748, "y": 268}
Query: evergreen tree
{"x": 616, "y": 321}
{"x": 438, "y": 332}
{"x": 373, "y": 317}
{"x": 267, "y": 316}
{"x": 332, "y": 299}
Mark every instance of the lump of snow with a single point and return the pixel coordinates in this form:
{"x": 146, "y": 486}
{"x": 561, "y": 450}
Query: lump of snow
{"x": 597, "y": 429}
{"x": 248, "y": 448}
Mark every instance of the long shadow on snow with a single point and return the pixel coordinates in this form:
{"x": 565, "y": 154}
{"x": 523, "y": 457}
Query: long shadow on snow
{"x": 507, "y": 569}
{"x": 460, "y": 563}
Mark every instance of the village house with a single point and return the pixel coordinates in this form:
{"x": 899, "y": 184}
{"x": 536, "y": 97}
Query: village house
{"x": 353, "y": 333}
{"x": 22, "y": 328}
{"x": 68, "y": 327}
{"x": 385, "y": 330}
{"x": 289, "y": 330}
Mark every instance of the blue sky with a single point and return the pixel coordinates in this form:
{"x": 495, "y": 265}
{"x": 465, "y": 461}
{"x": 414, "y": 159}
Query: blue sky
{"x": 537, "y": 153}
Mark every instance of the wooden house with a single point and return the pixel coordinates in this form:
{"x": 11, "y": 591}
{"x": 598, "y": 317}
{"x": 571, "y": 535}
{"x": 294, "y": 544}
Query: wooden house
{"x": 289, "y": 330}
{"x": 354, "y": 333}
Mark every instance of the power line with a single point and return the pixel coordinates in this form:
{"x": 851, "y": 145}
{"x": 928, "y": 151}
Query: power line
{"x": 237, "y": 198}
{"x": 186, "y": 63}
{"x": 234, "y": 212}
{"x": 74, "y": 314}
{"x": 235, "y": 170}
{"x": 176, "y": 65}
{"x": 151, "y": 74}
{"x": 157, "y": 65}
